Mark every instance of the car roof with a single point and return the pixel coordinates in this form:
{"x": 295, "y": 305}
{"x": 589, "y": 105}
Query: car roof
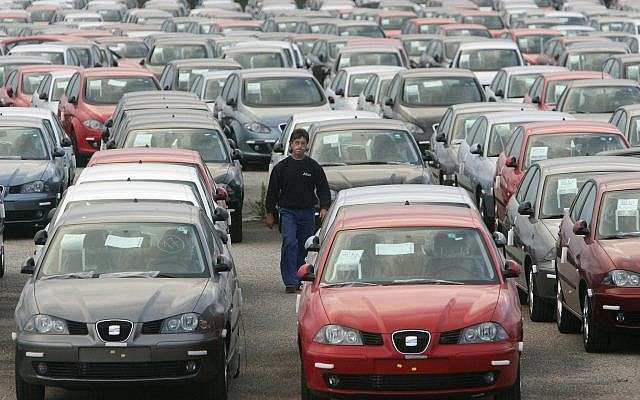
{"x": 489, "y": 44}
{"x": 602, "y": 82}
{"x": 61, "y": 74}
{"x": 557, "y": 76}
{"x": 588, "y": 163}
{"x": 49, "y": 46}
{"x": 492, "y": 107}
{"x": 204, "y": 61}
{"x": 570, "y": 126}
{"x": 435, "y": 72}
{"x": 271, "y": 72}
{"x": 534, "y": 32}
{"x": 43, "y": 113}
{"x": 141, "y": 155}
{"x": 138, "y": 171}
{"x": 626, "y": 58}
{"x": 533, "y": 69}
{"x": 114, "y": 71}
{"x": 358, "y": 123}
{"x": 128, "y": 190}
{"x": 313, "y": 116}
{"x": 596, "y": 46}
{"x": 632, "y": 109}
{"x": 611, "y": 182}
{"x": 371, "y": 69}
{"x": 519, "y": 116}
{"x": 405, "y": 192}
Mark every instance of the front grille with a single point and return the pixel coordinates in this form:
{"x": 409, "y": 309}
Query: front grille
{"x": 77, "y": 328}
{"x": 152, "y": 328}
{"x": 117, "y": 371}
{"x": 451, "y": 337}
{"x": 405, "y": 383}
{"x": 114, "y": 330}
{"x": 372, "y": 339}
{"x": 411, "y": 342}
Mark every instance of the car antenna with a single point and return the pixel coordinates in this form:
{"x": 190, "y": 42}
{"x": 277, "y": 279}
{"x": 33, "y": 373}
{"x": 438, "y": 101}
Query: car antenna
{"x": 406, "y": 203}
{"x": 129, "y": 179}
{"x": 139, "y": 161}
{"x": 135, "y": 200}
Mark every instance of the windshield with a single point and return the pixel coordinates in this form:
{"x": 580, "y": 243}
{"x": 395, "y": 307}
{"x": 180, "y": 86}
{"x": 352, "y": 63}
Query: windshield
{"x": 109, "y": 90}
{"x": 409, "y": 256}
{"x": 213, "y": 89}
{"x": 305, "y": 45}
{"x": 205, "y": 141}
{"x": 186, "y": 76}
{"x": 416, "y": 47}
{"x": 450, "y": 49}
{"x": 440, "y": 91}
{"x": 499, "y": 137}
{"x": 110, "y": 15}
{"x": 468, "y": 32}
{"x": 559, "y": 192}
{"x": 600, "y": 99}
{"x": 554, "y": 91}
{"x": 173, "y": 250}
{"x": 257, "y": 59}
{"x": 162, "y": 54}
{"x": 59, "y": 86}
{"x": 288, "y": 26}
{"x": 41, "y": 15}
{"x": 359, "y": 59}
{"x": 22, "y": 144}
{"x": 367, "y": 31}
{"x": 546, "y": 147}
{"x": 368, "y": 146}
{"x": 30, "y": 82}
{"x": 282, "y": 92}
{"x": 619, "y": 214}
{"x": 393, "y": 23}
{"x": 588, "y": 61}
{"x": 357, "y": 82}
{"x": 520, "y": 84}
{"x": 490, "y": 21}
{"x": 129, "y": 49}
{"x": 55, "y": 57}
{"x": 488, "y": 59}
{"x": 533, "y": 44}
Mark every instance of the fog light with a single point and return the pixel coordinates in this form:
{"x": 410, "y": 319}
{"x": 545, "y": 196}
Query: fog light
{"x": 42, "y": 369}
{"x": 620, "y": 317}
{"x": 334, "y": 381}
{"x": 488, "y": 377}
{"x": 191, "y": 366}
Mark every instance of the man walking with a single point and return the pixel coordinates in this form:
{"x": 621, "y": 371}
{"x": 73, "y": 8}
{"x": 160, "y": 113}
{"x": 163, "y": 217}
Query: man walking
{"x": 296, "y": 185}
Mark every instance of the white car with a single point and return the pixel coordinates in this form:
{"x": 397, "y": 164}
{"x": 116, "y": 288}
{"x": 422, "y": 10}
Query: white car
{"x": 291, "y": 49}
{"x": 376, "y": 89}
{"x": 512, "y": 83}
{"x": 51, "y": 88}
{"x": 208, "y": 86}
{"x": 486, "y": 58}
{"x": 60, "y": 54}
{"x": 345, "y": 89}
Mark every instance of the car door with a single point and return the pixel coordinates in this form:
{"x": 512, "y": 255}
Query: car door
{"x": 330, "y": 91}
{"x": 61, "y": 163}
{"x": 63, "y": 106}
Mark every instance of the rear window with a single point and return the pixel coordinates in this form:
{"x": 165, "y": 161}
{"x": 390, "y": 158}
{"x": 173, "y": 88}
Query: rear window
{"x": 359, "y": 59}
{"x": 546, "y": 147}
{"x": 282, "y": 92}
{"x": 440, "y": 91}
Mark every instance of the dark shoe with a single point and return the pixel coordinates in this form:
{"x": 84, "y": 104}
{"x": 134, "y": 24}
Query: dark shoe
{"x": 291, "y": 289}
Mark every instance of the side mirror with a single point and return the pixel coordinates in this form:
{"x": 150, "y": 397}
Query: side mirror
{"x": 232, "y": 143}
{"x": 10, "y": 92}
{"x": 223, "y": 264}
{"x": 331, "y": 99}
{"x": 581, "y": 228}
{"x": 29, "y": 267}
{"x": 73, "y": 100}
{"x": 340, "y": 92}
{"x": 436, "y": 57}
{"x": 312, "y": 243}
{"x": 499, "y": 93}
{"x": 476, "y": 149}
{"x": 413, "y": 64}
{"x": 109, "y": 123}
{"x": 105, "y": 135}
{"x": 40, "y": 237}
{"x": 369, "y": 99}
{"x": 511, "y": 162}
{"x": 511, "y": 269}
{"x": 428, "y": 156}
{"x": 305, "y": 273}
{"x": 166, "y": 87}
{"x": 220, "y": 214}
{"x": 111, "y": 144}
{"x": 441, "y": 137}
{"x": 58, "y": 152}
{"x": 388, "y": 102}
{"x": 278, "y": 148}
{"x": 231, "y": 102}
{"x": 43, "y": 96}
{"x": 66, "y": 142}
{"x": 221, "y": 194}
{"x": 236, "y": 154}
{"x": 322, "y": 58}
{"x": 492, "y": 99}
{"x": 525, "y": 208}
{"x": 499, "y": 239}
{"x": 536, "y": 100}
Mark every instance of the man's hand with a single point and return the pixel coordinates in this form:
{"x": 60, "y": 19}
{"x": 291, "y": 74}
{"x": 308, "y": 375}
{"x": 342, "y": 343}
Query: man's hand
{"x": 323, "y": 213}
{"x": 270, "y": 220}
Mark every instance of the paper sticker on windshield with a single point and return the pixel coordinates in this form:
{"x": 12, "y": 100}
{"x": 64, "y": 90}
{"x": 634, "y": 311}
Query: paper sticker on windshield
{"x": 567, "y": 185}
{"x": 412, "y": 90}
{"x": 432, "y": 84}
{"x": 464, "y": 59}
{"x": 386, "y": 21}
{"x": 117, "y": 83}
{"x": 420, "y": 46}
{"x": 333, "y": 140}
{"x": 394, "y": 249}
{"x": 253, "y": 87}
{"x": 627, "y": 208}
{"x": 142, "y": 140}
{"x": 123, "y": 242}
{"x": 349, "y": 257}
{"x": 538, "y": 154}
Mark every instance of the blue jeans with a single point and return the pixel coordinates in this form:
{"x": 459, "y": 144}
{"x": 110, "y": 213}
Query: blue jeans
{"x": 296, "y": 225}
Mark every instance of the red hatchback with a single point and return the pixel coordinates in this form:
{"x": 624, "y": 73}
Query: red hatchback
{"x": 548, "y": 87}
{"x": 90, "y": 99}
{"x": 409, "y": 300}
{"x": 23, "y": 81}
{"x": 598, "y": 261}
{"x": 537, "y": 141}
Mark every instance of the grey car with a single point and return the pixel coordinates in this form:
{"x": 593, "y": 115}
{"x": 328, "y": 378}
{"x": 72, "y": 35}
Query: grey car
{"x": 598, "y": 99}
{"x": 533, "y": 216}
{"x": 2, "y": 216}
{"x": 626, "y": 119}
{"x": 254, "y": 106}
{"x": 129, "y": 293}
{"x": 420, "y": 97}
{"x": 165, "y": 50}
{"x": 180, "y": 74}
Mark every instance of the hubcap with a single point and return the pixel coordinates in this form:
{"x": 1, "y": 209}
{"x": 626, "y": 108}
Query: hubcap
{"x": 530, "y": 292}
{"x": 585, "y": 319}
{"x": 559, "y": 301}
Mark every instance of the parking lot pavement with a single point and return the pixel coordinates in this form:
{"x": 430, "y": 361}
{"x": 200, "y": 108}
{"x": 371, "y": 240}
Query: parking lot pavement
{"x": 554, "y": 366}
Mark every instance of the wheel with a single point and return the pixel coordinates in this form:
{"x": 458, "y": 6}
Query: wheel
{"x": 566, "y": 322}
{"x": 236, "y": 226}
{"x": 595, "y": 340}
{"x": 539, "y": 310}
{"x": 305, "y": 393}
{"x": 513, "y": 393}
{"x": 217, "y": 388}
{"x": 27, "y": 391}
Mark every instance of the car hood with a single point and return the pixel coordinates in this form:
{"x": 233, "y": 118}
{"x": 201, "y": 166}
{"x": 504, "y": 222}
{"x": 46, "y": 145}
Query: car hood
{"x": 101, "y": 113}
{"x": 552, "y": 225}
{"x": 424, "y": 117}
{"x": 604, "y": 117}
{"x": 385, "y": 309}
{"x": 18, "y": 172}
{"x": 623, "y": 252}
{"x": 345, "y": 177}
{"x": 273, "y": 116}
{"x": 134, "y": 299}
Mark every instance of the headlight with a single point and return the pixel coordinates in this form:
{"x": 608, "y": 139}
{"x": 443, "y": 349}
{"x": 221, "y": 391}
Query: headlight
{"x": 257, "y": 127}
{"x": 34, "y": 187}
{"x": 338, "y": 335}
{"x": 185, "y": 323}
{"x": 93, "y": 124}
{"x": 551, "y": 255}
{"x": 48, "y": 325}
{"x": 486, "y": 332}
{"x": 414, "y": 129}
{"x": 622, "y": 278}
{"x": 333, "y": 194}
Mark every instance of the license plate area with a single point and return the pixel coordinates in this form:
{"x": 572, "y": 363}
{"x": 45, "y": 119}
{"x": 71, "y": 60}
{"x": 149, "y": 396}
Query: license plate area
{"x": 114, "y": 354}
{"x": 411, "y": 366}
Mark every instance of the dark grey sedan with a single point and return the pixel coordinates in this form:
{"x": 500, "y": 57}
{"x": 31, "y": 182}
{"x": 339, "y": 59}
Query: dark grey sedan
{"x": 129, "y": 294}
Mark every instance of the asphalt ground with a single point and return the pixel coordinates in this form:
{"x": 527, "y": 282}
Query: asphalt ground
{"x": 554, "y": 366}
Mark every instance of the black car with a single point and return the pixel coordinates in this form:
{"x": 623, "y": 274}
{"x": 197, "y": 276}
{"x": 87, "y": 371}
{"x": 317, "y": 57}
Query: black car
{"x": 2, "y": 216}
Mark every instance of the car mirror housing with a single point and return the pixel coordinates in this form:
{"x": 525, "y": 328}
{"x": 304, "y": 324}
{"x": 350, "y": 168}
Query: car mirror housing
{"x": 369, "y": 99}
{"x": 511, "y": 162}
{"x": 236, "y": 154}
{"x": 312, "y": 243}
{"x": 58, "y": 152}
{"x": 441, "y": 137}
{"x": 306, "y": 273}
{"x": 339, "y": 92}
{"x": 222, "y": 264}
{"x": 581, "y": 228}
{"x": 231, "y": 102}
{"x": 66, "y": 142}
{"x": 499, "y": 93}
{"x": 220, "y": 214}
{"x": 525, "y": 208}
{"x": 29, "y": 266}
{"x": 40, "y": 238}
{"x": 476, "y": 149}
{"x": 73, "y": 100}
{"x": 278, "y": 148}
{"x": 105, "y": 135}
{"x": 499, "y": 239}
{"x": 43, "y": 96}
{"x": 221, "y": 194}
{"x": 536, "y": 100}
{"x": 142, "y": 62}
{"x": 511, "y": 269}
{"x": 388, "y": 102}
{"x": 428, "y": 156}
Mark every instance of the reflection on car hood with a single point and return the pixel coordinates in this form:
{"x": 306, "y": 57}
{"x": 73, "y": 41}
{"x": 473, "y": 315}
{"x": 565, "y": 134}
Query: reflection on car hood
{"x": 134, "y": 299}
{"x": 351, "y": 176}
{"x": 623, "y": 252}
{"x": 385, "y": 309}
{"x": 552, "y": 225}
{"x": 18, "y": 172}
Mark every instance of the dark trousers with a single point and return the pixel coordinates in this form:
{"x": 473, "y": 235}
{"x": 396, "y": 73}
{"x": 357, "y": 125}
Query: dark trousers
{"x": 296, "y": 225}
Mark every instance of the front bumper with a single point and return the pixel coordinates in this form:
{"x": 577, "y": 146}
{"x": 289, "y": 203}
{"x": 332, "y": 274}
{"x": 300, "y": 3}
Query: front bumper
{"x": 30, "y": 208}
{"x": 79, "y": 362}
{"x": 88, "y": 140}
{"x": 257, "y": 146}
{"x": 379, "y": 371}
{"x": 617, "y": 310}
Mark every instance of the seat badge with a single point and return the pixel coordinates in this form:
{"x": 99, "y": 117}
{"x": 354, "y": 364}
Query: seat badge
{"x": 411, "y": 341}
{"x": 114, "y": 330}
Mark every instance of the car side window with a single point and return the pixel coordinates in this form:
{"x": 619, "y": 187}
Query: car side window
{"x": 163, "y": 78}
{"x": 233, "y": 91}
{"x": 481, "y": 135}
{"x": 606, "y": 68}
{"x": 75, "y": 90}
{"x": 52, "y": 134}
{"x": 370, "y": 87}
{"x": 394, "y": 87}
{"x": 496, "y": 81}
{"x": 576, "y": 207}
{"x": 622, "y": 123}
{"x": 10, "y": 79}
{"x": 438, "y": 51}
{"x": 514, "y": 151}
{"x": 226, "y": 87}
{"x": 615, "y": 70}
{"x": 587, "y": 209}
{"x": 532, "y": 191}
{"x": 70, "y": 85}
{"x": 445, "y": 122}
{"x": 534, "y": 88}
{"x": 522, "y": 190}
{"x": 196, "y": 87}
{"x": 615, "y": 118}
{"x": 473, "y": 132}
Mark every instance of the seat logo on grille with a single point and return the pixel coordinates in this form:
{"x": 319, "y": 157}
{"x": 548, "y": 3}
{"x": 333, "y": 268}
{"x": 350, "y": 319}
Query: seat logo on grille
{"x": 114, "y": 330}
{"x": 411, "y": 341}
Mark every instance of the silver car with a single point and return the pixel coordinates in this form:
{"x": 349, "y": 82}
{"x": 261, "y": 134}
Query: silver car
{"x": 51, "y": 88}
{"x": 511, "y": 84}
{"x": 597, "y": 99}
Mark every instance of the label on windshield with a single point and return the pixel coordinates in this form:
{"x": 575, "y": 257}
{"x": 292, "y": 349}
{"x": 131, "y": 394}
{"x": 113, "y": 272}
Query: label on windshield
{"x": 142, "y": 140}
{"x": 432, "y": 84}
{"x": 412, "y": 90}
{"x": 627, "y": 208}
{"x": 116, "y": 83}
{"x": 253, "y": 88}
{"x": 538, "y": 154}
{"x": 348, "y": 259}
{"x": 385, "y": 21}
{"x": 567, "y": 185}
{"x": 123, "y": 242}
{"x": 333, "y": 140}
{"x": 394, "y": 249}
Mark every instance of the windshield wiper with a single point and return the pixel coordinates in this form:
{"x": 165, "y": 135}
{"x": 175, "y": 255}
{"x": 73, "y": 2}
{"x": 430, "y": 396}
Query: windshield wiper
{"x": 131, "y": 274}
{"x": 424, "y": 281}
{"x": 73, "y": 275}
{"x": 343, "y": 284}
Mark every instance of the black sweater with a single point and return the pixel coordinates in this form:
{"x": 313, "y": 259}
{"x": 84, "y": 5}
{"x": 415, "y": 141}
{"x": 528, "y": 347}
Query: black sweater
{"x": 295, "y": 183}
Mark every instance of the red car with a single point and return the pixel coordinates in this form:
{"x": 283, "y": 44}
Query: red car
{"x": 530, "y": 41}
{"x": 548, "y": 87}
{"x": 409, "y": 300}
{"x": 90, "y": 99}
{"x": 490, "y": 19}
{"x": 425, "y": 25}
{"x": 546, "y": 140}
{"x": 597, "y": 261}
{"x": 23, "y": 81}
{"x": 464, "y": 30}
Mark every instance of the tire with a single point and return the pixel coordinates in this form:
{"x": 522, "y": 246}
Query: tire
{"x": 305, "y": 393}
{"x": 217, "y": 388}
{"x": 27, "y": 391}
{"x": 2, "y": 262}
{"x": 595, "y": 339}
{"x": 489, "y": 222}
{"x": 513, "y": 393}
{"x": 236, "y": 226}
{"x": 539, "y": 309}
{"x": 566, "y": 322}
